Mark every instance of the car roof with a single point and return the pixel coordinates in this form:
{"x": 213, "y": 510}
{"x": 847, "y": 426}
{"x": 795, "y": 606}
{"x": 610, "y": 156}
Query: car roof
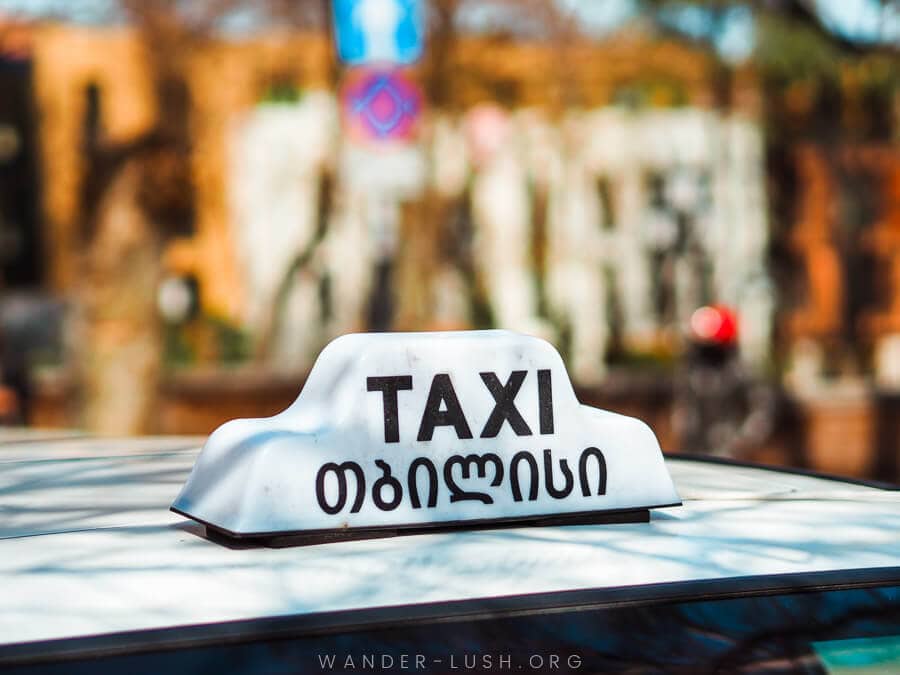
{"x": 88, "y": 545}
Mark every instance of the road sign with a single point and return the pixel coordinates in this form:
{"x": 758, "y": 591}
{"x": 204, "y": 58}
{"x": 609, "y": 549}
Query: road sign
{"x": 378, "y": 31}
{"x": 380, "y": 105}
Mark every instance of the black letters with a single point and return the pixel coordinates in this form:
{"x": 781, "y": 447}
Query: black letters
{"x": 548, "y": 477}
{"x": 504, "y": 404}
{"x": 340, "y": 471}
{"x": 582, "y": 471}
{"x": 442, "y": 392}
{"x": 545, "y": 401}
{"x": 414, "y": 488}
{"x": 470, "y": 466}
{"x": 386, "y": 480}
{"x": 514, "y": 476}
{"x": 389, "y": 386}
{"x": 457, "y": 494}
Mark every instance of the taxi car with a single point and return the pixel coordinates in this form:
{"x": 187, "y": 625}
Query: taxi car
{"x": 758, "y": 570}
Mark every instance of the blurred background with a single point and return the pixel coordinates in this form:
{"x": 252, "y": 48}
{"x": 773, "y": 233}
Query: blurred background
{"x": 698, "y": 203}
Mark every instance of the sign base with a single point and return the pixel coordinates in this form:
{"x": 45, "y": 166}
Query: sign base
{"x": 286, "y": 540}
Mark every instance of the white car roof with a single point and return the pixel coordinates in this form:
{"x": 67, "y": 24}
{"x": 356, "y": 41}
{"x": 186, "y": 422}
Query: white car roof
{"x": 88, "y": 545}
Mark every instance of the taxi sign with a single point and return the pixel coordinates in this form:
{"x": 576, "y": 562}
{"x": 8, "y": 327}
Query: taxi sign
{"x": 398, "y": 431}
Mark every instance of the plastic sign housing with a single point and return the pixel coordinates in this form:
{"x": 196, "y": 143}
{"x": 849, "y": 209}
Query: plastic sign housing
{"x": 421, "y": 430}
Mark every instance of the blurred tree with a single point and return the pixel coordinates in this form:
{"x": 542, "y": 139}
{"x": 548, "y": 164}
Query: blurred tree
{"x": 429, "y": 224}
{"x": 136, "y": 195}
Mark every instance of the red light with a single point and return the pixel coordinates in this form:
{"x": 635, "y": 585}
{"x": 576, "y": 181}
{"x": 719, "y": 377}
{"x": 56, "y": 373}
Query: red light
{"x": 716, "y": 324}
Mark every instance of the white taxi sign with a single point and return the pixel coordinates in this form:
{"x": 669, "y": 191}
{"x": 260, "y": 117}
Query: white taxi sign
{"x": 420, "y": 430}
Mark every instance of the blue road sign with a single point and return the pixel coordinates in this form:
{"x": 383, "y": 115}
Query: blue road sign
{"x": 378, "y": 31}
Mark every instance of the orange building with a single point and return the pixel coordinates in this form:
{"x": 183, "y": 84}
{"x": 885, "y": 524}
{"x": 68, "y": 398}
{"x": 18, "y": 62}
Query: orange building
{"x": 79, "y": 72}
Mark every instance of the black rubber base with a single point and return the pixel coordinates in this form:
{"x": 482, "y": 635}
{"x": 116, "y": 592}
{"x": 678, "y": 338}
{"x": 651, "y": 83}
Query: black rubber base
{"x": 324, "y": 537}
